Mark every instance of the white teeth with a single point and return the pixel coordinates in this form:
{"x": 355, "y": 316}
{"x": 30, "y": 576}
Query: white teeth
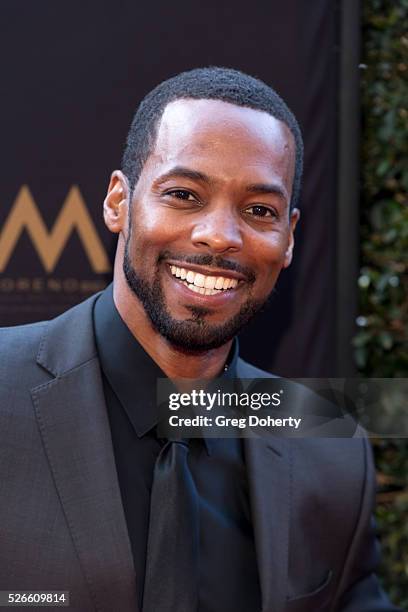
{"x": 200, "y": 283}
{"x": 202, "y": 290}
{"x": 199, "y": 280}
{"x": 210, "y": 282}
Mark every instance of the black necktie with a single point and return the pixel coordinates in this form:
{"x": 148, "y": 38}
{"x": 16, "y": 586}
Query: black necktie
{"x": 171, "y": 581}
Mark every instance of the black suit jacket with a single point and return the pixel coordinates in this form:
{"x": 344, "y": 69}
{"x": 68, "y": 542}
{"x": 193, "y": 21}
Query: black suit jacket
{"x": 62, "y": 525}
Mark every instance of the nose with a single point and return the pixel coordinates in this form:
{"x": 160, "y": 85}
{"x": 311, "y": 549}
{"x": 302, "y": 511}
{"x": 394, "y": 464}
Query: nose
{"x": 218, "y": 230}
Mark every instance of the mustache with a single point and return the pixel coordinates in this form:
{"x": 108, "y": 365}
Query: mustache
{"x": 211, "y": 261}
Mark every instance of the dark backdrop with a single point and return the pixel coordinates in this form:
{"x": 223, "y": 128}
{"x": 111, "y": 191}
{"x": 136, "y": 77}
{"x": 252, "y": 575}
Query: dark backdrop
{"x": 72, "y": 75}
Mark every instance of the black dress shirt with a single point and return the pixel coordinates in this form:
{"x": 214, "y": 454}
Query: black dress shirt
{"x": 228, "y": 569}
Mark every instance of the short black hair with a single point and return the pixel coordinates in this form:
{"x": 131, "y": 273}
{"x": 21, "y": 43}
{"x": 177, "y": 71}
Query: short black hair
{"x": 211, "y": 83}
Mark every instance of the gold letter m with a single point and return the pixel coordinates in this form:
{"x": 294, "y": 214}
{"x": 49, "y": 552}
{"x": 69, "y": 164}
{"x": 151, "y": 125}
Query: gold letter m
{"x": 49, "y": 245}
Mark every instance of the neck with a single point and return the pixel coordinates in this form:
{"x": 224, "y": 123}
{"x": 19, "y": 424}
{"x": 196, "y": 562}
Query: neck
{"x": 174, "y": 362}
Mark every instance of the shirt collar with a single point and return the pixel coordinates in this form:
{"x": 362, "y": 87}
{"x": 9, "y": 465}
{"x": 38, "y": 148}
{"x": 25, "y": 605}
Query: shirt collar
{"x": 130, "y": 371}
{"x": 230, "y": 370}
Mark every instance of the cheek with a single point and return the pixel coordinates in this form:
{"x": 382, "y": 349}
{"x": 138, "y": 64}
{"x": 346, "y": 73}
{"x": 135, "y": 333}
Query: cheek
{"x": 270, "y": 252}
{"x": 268, "y": 260}
{"x": 155, "y": 225}
{"x": 145, "y": 221}
{"x": 149, "y": 235}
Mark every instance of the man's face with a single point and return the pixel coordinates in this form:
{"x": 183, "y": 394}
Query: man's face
{"x": 210, "y": 227}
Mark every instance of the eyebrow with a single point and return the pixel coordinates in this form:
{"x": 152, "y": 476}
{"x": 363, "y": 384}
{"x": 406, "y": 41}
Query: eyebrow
{"x": 183, "y": 172}
{"x": 266, "y": 189}
{"x": 196, "y": 175}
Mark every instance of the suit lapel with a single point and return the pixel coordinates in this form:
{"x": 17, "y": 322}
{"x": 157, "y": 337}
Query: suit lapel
{"x": 73, "y": 422}
{"x": 268, "y": 467}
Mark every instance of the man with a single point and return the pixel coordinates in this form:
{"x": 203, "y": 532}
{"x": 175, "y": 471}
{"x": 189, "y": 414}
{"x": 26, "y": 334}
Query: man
{"x": 205, "y": 212}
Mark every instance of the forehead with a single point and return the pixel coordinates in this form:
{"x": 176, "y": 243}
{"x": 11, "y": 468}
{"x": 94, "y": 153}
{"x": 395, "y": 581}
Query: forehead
{"x": 224, "y": 135}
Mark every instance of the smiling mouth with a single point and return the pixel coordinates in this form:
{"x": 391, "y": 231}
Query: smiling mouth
{"x": 203, "y": 283}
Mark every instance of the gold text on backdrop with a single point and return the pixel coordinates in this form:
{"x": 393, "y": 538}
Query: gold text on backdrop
{"x": 49, "y": 245}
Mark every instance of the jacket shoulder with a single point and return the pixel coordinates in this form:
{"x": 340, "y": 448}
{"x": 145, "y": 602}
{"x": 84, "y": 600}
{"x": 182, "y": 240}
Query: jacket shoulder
{"x": 28, "y": 353}
{"x": 20, "y": 343}
{"x": 19, "y": 371}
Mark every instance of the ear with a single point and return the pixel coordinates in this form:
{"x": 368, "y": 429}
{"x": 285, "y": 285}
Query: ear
{"x": 294, "y": 218}
{"x": 116, "y": 203}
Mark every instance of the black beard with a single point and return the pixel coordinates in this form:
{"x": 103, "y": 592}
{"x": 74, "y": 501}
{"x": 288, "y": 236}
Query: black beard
{"x": 193, "y": 335}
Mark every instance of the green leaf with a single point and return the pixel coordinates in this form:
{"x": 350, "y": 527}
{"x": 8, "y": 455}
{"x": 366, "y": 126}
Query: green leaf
{"x": 385, "y": 340}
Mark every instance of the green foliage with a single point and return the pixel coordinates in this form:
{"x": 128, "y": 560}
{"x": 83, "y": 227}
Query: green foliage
{"x": 381, "y": 346}
{"x": 392, "y": 512}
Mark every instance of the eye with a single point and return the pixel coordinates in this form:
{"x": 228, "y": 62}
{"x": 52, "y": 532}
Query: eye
{"x": 182, "y": 194}
{"x": 259, "y": 211}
